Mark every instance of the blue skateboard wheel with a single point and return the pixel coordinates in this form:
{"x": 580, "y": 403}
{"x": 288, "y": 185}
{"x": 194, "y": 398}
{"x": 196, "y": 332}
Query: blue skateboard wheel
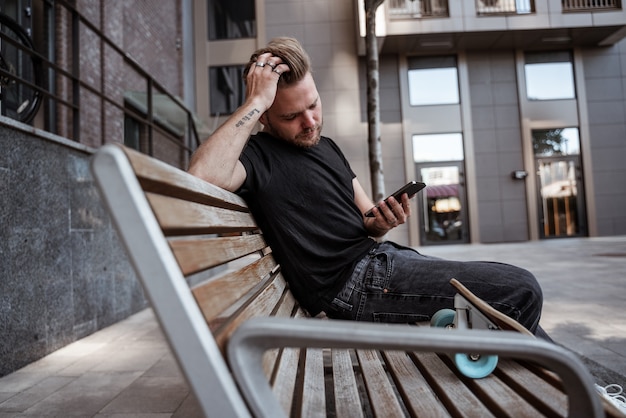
{"x": 475, "y": 366}
{"x": 443, "y": 318}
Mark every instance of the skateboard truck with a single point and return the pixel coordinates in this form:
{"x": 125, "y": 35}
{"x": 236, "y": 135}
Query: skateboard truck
{"x": 466, "y": 316}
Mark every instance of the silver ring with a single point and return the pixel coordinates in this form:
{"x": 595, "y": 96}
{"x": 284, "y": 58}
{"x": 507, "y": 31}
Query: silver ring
{"x": 277, "y": 71}
{"x": 390, "y": 222}
{"x": 271, "y": 65}
{"x": 260, "y": 64}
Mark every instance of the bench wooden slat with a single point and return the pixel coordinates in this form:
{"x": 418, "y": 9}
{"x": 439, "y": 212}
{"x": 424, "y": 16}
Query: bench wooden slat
{"x": 159, "y": 177}
{"x": 548, "y": 399}
{"x": 273, "y": 278}
{"x": 550, "y": 377}
{"x": 501, "y": 399}
{"x": 284, "y": 380}
{"x": 263, "y": 304}
{"x": 284, "y": 386}
{"x": 270, "y": 358}
{"x": 413, "y": 387}
{"x": 346, "y": 392}
{"x": 454, "y": 395}
{"x": 178, "y": 217}
{"x": 194, "y": 255}
{"x": 215, "y": 295}
{"x": 379, "y": 389}
{"x": 313, "y": 393}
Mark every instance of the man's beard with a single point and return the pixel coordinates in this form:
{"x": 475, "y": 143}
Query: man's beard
{"x": 305, "y": 139}
{"x": 308, "y": 138}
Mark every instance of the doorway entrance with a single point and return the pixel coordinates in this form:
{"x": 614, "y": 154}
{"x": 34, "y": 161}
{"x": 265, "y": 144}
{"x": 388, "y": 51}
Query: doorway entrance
{"x": 439, "y": 160}
{"x": 562, "y": 211}
{"x": 443, "y": 211}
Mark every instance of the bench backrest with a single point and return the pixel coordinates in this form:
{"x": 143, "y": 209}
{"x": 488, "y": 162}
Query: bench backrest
{"x": 201, "y": 259}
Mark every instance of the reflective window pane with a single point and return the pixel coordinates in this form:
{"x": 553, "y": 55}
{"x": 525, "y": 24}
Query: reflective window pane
{"x": 433, "y": 87}
{"x": 443, "y": 204}
{"x": 227, "y": 89}
{"x": 433, "y": 81}
{"x": 549, "y": 76}
{"x": 553, "y": 142}
{"x": 560, "y": 197}
{"x": 438, "y": 147}
{"x": 228, "y": 19}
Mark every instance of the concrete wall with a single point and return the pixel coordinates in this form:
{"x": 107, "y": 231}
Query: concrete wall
{"x": 605, "y": 85}
{"x": 63, "y": 273}
{"x": 497, "y": 147}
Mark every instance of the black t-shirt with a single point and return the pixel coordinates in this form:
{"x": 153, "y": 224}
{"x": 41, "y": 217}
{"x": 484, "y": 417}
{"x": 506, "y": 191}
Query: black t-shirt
{"x": 303, "y": 200}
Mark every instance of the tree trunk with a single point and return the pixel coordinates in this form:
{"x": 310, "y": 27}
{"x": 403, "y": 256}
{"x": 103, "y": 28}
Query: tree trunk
{"x": 373, "y": 101}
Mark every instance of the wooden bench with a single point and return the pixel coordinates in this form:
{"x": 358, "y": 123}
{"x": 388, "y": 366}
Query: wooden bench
{"x": 247, "y": 349}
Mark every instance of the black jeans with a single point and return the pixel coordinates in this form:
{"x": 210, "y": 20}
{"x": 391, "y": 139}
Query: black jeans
{"x": 398, "y": 284}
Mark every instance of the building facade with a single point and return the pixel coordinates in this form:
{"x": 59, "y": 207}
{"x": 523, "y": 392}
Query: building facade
{"x": 513, "y": 112}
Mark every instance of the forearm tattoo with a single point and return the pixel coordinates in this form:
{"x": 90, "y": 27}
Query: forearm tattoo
{"x": 246, "y": 118}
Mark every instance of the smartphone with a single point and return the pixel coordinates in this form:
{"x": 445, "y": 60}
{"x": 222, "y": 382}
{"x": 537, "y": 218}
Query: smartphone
{"x": 410, "y": 188}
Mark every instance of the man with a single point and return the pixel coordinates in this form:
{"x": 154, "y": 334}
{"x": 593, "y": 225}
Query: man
{"x": 310, "y": 205}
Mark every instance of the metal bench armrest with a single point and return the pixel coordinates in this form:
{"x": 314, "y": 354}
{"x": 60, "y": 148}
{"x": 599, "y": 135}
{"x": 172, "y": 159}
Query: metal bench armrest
{"x": 253, "y": 338}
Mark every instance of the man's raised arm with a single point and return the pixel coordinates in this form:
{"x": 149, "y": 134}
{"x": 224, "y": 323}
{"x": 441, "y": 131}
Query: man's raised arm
{"x": 217, "y": 158}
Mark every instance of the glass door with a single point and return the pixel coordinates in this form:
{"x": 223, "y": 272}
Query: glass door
{"x": 561, "y": 200}
{"x": 443, "y": 210}
{"x": 439, "y": 160}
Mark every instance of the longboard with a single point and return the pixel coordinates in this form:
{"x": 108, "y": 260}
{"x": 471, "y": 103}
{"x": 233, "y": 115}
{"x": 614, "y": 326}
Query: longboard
{"x": 471, "y": 312}
{"x": 507, "y": 323}
{"x": 498, "y": 318}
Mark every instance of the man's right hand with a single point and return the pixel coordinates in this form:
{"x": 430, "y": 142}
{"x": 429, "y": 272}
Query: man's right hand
{"x": 262, "y": 80}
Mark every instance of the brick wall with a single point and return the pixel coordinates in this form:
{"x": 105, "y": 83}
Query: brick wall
{"x": 148, "y": 32}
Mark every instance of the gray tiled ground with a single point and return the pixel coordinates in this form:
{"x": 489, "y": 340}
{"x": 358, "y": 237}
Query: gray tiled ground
{"x": 122, "y": 371}
{"x": 127, "y": 370}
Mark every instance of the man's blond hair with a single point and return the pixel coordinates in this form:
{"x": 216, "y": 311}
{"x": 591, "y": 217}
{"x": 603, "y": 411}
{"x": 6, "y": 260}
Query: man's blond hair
{"x": 291, "y": 52}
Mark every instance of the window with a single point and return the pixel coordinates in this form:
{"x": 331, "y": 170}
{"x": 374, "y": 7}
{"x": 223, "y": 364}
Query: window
{"x": 227, "y": 89}
{"x": 549, "y": 76}
{"x": 438, "y": 147}
{"x": 228, "y": 19}
{"x": 132, "y": 133}
{"x": 487, "y": 7}
{"x": 556, "y": 142}
{"x": 433, "y": 81}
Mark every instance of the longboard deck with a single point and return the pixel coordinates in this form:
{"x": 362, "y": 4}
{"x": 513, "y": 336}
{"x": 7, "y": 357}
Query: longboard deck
{"x": 501, "y": 320}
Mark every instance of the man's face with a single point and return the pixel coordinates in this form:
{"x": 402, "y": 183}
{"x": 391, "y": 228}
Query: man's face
{"x": 296, "y": 114}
